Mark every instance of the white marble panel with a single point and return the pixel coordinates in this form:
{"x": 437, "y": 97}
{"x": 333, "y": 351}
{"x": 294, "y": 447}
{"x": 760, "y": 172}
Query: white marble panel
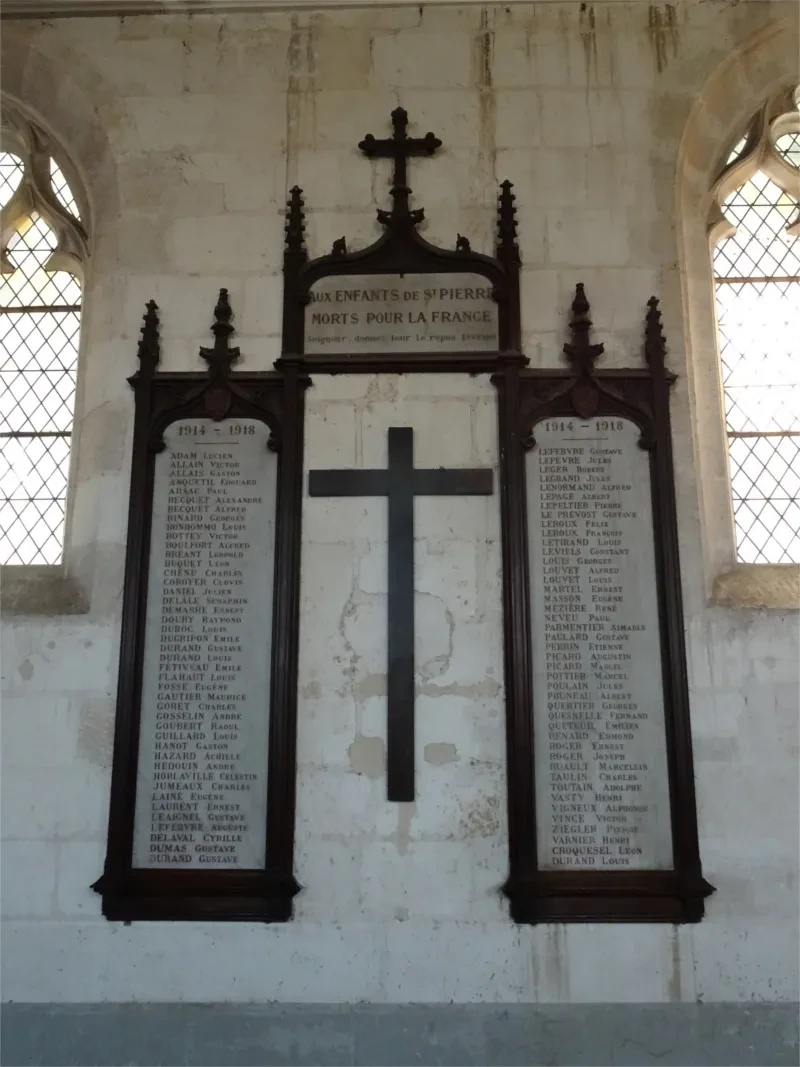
{"x": 401, "y": 313}
{"x": 201, "y": 792}
{"x": 602, "y": 794}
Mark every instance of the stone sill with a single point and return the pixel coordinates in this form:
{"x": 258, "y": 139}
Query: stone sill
{"x": 759, "y": 585}
{"x": 40, "y": 590}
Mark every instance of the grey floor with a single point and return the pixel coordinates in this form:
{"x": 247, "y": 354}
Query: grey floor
{"x": 167, "y": 1035}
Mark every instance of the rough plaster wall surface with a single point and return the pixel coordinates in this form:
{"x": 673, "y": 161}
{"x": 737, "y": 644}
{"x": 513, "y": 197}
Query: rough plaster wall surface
{"x": 189, "y": 132}
{"x": 441, "y": 857}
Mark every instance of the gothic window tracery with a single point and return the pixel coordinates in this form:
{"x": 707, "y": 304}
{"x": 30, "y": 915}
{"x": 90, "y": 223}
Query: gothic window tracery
{"x": 755, "y": 232}
{"x": 44, "y": 249}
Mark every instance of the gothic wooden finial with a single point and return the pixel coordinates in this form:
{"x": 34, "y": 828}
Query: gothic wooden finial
{"x": 221, "y": 356}
{"x": 149, "y": 351}
{"x": 295, "y": 251}
{"x": 217, "y": 398}
{"x": 507, "y": 224}
{"x": 655, "y": 344}
{"x": 581, "y": 354}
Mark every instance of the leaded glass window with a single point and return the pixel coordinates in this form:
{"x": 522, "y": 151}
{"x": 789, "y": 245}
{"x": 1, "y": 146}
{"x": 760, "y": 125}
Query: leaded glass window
{"x": 757, "y": 274}
{"x": 40, "y": 309}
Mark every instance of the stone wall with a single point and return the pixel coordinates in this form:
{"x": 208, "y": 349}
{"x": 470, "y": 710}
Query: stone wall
{"x": 189, "y": 131}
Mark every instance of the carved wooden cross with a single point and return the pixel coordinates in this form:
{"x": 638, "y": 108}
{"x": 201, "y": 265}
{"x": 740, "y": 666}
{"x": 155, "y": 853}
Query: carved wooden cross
{"x": 400, "y": 482}
{"x": 400, "y": 148}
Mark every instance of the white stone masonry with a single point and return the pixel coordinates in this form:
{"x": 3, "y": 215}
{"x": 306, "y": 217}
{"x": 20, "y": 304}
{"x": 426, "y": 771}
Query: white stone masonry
{"x": 189, "y": 130}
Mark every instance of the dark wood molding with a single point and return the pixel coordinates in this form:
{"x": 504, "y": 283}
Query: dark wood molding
{"x": 160, "y": 399}
{"x": 642, "y": 395}
{"x": 402, "y": 363}
{"x": 401, "y": 249}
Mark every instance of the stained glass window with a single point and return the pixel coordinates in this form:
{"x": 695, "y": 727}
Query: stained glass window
{"x": 757, "y": 270}
{"x": 40, "y": 311}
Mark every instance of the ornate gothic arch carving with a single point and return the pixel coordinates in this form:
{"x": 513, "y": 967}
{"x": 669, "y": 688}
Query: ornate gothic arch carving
{"x": 776, "y": 117}
{"x": 56, "y": 87}
{"x": 25, "y": 139}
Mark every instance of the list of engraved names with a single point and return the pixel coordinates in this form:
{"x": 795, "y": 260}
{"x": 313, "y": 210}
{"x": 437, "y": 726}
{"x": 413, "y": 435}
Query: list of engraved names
{"x": 602, "y": 797}
{"x": 202, "y": 779}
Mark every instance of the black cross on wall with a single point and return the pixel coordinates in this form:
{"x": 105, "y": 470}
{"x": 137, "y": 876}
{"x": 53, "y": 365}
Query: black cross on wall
{"x": 400, "y": 482}
{"x": 400, "y": 148}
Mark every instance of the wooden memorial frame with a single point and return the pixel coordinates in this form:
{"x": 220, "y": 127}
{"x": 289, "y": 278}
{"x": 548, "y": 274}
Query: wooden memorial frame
{"x": 642, "y": 396}
{"x": 401, "y": 249}
{"x": 161, "y": 398}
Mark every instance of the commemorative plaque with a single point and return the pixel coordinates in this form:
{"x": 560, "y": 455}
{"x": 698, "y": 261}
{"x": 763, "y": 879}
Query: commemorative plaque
{"x": 602, "y": 792}
{"x": 602, "y": 818}
{"x": 201, "y": 794}
{"x": 402, "y": 303}
{"x": 201, "y": 821}
{"x": 398, "y": 313}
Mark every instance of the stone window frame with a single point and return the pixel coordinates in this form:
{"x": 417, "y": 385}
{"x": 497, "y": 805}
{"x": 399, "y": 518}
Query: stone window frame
{"x": 48, "y": 589}
{"x": 753, "y": 79}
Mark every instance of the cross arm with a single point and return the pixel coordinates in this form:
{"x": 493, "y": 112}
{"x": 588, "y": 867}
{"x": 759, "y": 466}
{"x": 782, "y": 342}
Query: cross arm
{"x": 452, "y": 482}
{"x": 348, "y": 483}
{"x": 390, "y": 147}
